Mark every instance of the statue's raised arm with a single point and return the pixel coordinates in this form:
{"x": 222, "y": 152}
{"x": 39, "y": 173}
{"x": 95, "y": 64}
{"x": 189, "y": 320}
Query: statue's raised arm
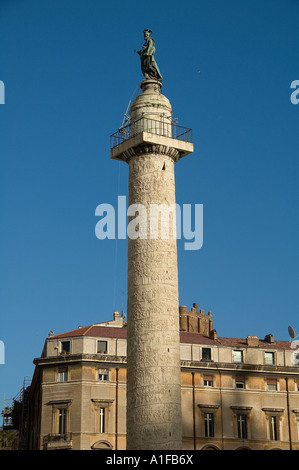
{"x": 149, "y": 66}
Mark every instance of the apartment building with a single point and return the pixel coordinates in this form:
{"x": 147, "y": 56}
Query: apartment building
{"x": 237, "y": 393}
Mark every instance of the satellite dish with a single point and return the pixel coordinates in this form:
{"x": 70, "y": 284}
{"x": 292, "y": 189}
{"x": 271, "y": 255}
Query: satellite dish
{"x": 291, "y": 332}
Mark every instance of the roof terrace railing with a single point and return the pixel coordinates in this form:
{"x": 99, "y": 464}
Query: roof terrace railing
{"x": 144, "y": 124}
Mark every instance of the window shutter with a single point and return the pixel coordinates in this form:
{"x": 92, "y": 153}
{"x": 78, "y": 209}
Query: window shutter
{"x": 208, "y": 377}
{"x": 271, "y": 381}
{"x": 240, "y": 378}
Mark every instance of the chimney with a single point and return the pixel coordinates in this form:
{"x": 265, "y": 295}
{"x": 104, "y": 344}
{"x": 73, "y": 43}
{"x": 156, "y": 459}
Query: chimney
{"x": 269, "y": 338}
{"x": 213, "y": 334}
{"x": 116, "y": 314}
{"x": 252, "y": 341}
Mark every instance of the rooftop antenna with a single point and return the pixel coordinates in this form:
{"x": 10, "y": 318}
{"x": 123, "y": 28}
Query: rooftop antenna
{"x": 126, "y": 119}
{"x": 122, "y": 306}
{"x": 122, "y": 303}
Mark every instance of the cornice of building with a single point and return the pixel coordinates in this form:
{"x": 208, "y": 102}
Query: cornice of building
{"x": 190, "y": 366}
{"x": 219, "y": 367}
{"x": 68, "y": 359}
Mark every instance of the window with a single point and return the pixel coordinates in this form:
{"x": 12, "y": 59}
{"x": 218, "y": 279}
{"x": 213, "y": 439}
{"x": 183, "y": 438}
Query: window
{"x": 240, "y": 381}
{"x": 62, "y": 374}
{"x": 65, "y": 346}
{"x": 102, "y": 420}
{"x": 274, "y": 428}
{"x": 61, "y": 420}
{"x": 209, "y": 424}
{"x": 238, "y": 355}
{"x": 296, "y": 358}
{"x": 102, "y": 347}
{"x": 208, "y": 380}
{"x": 274, "y": 415}
{"x": 103, "y": 374}
{"x": 242, "y": 426}
{"x": 208, "y": 419}
{"x": 206, "y": 354}
{"x": 269, "y": 358}
{"x": 101, "y": 409}
{"x": 296, "y": 412}
{"x": 272, "y": 384}
{"x": 242, "y": 421}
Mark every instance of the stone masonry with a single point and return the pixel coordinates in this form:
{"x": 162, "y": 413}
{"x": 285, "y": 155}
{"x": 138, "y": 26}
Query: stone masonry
{"x": 153, "y": 343}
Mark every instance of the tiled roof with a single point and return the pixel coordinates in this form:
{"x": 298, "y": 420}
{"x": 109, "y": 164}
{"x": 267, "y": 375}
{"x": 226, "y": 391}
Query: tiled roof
{"x": 94, "y": 330}
{"x": 197, "y": 338}
{"x": 185, "y": 337}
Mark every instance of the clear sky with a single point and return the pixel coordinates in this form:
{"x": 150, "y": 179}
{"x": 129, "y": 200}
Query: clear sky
{"x": 70, "y": 72}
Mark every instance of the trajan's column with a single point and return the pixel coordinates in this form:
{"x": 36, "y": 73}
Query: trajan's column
{"x": 151, "y": 144}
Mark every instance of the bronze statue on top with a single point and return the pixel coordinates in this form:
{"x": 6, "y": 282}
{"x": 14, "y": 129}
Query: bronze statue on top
{"x": 149, "y": 66}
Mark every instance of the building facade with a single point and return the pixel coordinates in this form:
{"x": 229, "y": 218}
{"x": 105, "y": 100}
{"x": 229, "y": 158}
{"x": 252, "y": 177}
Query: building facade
{"x": 235, "y": 393}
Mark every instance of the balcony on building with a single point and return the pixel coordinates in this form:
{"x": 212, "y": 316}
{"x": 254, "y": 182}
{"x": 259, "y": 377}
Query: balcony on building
{"x": 58, "y": 441}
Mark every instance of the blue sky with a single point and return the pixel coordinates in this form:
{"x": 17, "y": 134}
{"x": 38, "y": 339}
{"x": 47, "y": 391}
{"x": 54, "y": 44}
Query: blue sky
{"x": 70, "y": 72}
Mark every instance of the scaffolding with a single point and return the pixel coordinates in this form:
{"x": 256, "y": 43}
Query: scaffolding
{"x": 16, "y": 414}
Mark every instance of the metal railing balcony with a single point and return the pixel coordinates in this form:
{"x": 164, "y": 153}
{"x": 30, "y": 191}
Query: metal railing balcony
{"x": 144, "y": 124}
